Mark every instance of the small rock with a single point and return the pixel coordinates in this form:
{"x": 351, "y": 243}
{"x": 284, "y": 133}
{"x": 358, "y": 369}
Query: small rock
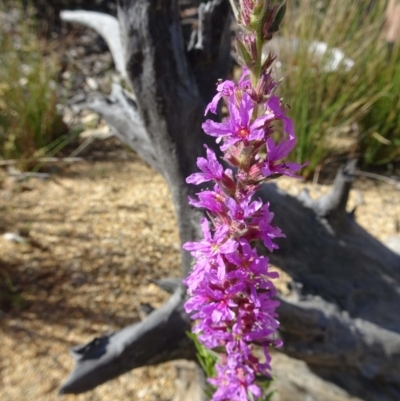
{"x": 77, "y": 98}
{"x": 14, "y": 238}
{"x": 294, "y": 380}
{"x": 393, "y": 243}
{"x": 68, "y": 115}
{"x": 92, "y": 84}
{"x": 66, "y": 75}
{"x": 103, "y": 132}
{"x": 78, "y": 279}
{"x": 189, "y": 382}
{"x": 91, "y": 120}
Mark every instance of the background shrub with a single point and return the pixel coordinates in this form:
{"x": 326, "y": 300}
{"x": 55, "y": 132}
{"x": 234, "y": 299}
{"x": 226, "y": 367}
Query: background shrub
{"x": 30, "y": 125}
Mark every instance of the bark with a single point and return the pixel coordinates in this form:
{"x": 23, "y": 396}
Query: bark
{"x": 107, "y": 26}
{"x": 161, "y": 337}
{"x": 341, "y": 318}
{"x": 120, "y": 112}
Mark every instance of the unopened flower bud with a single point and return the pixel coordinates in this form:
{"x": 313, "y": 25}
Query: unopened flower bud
{"x": 244, "y": 54}
{"x": 259, "y": 13}
{"x": 246, "y": 9}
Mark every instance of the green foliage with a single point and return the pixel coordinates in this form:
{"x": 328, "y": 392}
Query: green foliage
{"x": 208, "y": 358}
{"x": 326, "y": 105}
{"x": 380, "y": 141}
{"x": 30, "y": 125}
{"x": 265, "y": 385}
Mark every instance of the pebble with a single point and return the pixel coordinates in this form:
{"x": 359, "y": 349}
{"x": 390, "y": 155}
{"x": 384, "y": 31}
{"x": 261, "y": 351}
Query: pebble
{"x": 14, "y": 238}
{"x": 393, "y": 243}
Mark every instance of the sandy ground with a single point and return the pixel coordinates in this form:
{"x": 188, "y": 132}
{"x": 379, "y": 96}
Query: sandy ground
{"x": 96, "y": 233}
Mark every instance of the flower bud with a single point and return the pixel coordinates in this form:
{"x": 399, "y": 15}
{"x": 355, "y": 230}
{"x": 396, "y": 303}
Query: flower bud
{"x": 261, "y": 9}
{"x": 273, "y": 20}
{"x": 246, "y": 9}
{"x": 245, "y": 54}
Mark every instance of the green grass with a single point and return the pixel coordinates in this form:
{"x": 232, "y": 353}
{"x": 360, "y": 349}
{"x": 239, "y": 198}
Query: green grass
{"x": 380, "y": 141}
{"x": 30, "y": 125}
{"x": 359, "y": 107}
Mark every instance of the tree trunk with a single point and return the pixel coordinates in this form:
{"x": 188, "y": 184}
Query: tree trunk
{"x": 341, "y": 318}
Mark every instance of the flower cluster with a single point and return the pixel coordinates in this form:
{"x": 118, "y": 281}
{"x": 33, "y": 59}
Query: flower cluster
{"x": 231, "y": 293}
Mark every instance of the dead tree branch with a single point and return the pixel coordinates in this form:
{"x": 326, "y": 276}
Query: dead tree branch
{"x": 159, "y": 338}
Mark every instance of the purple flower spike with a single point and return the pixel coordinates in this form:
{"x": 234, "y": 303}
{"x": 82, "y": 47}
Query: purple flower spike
{"x": 232, "y": 297}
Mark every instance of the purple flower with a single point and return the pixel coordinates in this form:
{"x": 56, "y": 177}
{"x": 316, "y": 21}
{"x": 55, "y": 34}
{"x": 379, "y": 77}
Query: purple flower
{"x": 211, "y": 201}
{"x": 267, "y": 232}
{"x": 244, "y": 81}
{"x": 234, "y": 384}
{"x": 211, "y": 169}
{"x": 224, "y": 89}
{"x": 238, "y": 127}
{"x": 275, "y": 154}
{"x": 227, "y": 89}
{"x": 212, "y": 306}
{"x": 247, "y": 262}
{"x": 199, "y": 273}
{"x": 243, "y": 209}
{"x": 221, "y": 306}
{"x": 210, "y": 246}
{"x": 213, "y": 248}
{"x": 274, "y": 105}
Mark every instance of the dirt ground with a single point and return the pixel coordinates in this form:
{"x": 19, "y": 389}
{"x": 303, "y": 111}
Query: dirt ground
{"x": 94, "y": 235}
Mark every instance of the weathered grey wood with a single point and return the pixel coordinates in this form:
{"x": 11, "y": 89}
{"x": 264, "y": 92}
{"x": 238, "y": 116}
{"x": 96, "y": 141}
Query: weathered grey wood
{"x": 119, "y": 110}
{"x": 168, "y": 284}
{"x": 337, "y": 260}
{"x": 333, "y": 205}
{"x": 209, "y": 47}
{"x": 105, "y": 25}
{"x": 159, "y": 338}
{"x": 170, "y": 103}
